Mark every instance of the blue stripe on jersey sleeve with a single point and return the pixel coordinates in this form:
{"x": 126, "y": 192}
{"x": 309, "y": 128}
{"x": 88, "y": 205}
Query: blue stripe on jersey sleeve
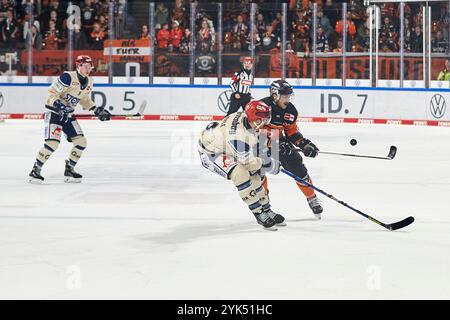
{"x": 65, "y": 79}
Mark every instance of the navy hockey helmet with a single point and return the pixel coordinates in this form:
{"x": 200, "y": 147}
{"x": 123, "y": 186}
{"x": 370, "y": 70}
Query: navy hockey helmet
{"x": 280, "y": 88}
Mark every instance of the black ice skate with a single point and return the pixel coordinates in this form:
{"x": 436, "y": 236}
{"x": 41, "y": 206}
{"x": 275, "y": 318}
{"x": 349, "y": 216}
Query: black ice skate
{"x": 278, "y": 218}
{"x": 35, "y": 175}
{"x": 70, "y": 176}
{"x": 266, "y": 221}
{"x": 316, "y": 207}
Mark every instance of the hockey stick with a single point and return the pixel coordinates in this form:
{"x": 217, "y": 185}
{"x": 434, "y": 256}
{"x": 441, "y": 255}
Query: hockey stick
{"x": 392, "y": 226}
{"x": 390, "y": 156}
{"x": 140, "y": 113}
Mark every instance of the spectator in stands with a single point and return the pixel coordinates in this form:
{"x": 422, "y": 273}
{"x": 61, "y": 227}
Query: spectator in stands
{"x": 176, "y": 34}
{"x": 322, "y": 41}
{"x": 417, "y": 40}
{"x": 164, "y": 37}
{"x": 9, "y": 30}
{"x": 161, "y": 15}
{"x": 408, "y": 35}
{"x": 103, "y": 20}
{"x": 144, "y": 33}
{"x": 88, "y": 13}
{"x": 276, "y": 24}
{"x": 363, "y": 37}
{"x": 300, "y": 36}
{"x": 332, "y": 11}
{"x": 340, "y": 46}
{"x": 36, "y": 37}
{"x": 5, "y": 5}
{"x": 204, "y": 39}
{"x": 185, "y": 41}
{"x": 58, "y": 21}
{"x": 97, "y": 37}
{"x": 444, "y": 75}
{"x": 240, "y": 32}
{"x": 323, "y": 20}
{"x": 269, "y": 40}
{"x": 52, "y": 38}
{"x": 439, "y": 44}
{"x": 256, "y": 41}
{"x": 179, "y": 13}
{"x": 350, "y": 29}
{"x": 79, "y": 38}
{"x": 260, "y": 24}
{"x": 388, "y": 29}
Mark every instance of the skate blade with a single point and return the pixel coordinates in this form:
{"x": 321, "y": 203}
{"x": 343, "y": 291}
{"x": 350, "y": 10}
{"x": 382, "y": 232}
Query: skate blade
{"x": 72, "y": 180}
{"x": 273, "y": 228}
{"x": 282, "y": 224}
{"x": 35, "y": 181}
{"x": 318, "y": 216}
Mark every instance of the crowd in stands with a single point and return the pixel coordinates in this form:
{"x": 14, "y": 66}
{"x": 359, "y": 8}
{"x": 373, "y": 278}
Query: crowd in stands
{"x": 50, "y": 24}
{"x": 173, "y": 31}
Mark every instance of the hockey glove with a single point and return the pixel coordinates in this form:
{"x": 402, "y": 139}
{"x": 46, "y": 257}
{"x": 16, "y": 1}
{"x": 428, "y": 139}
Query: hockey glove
{"x": 62, "y": 110}
{"x": 270, "y": 166}
{"x": 102, "y": 114}
{"x": 308, "y": 148}
{"x": 286, "y": 148}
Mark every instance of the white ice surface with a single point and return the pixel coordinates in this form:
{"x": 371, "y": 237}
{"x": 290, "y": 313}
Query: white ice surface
{"x": 149, "y": 222}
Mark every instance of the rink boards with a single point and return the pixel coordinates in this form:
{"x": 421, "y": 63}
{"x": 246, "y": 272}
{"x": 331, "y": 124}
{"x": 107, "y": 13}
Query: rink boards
{"x": 210, "y": 102}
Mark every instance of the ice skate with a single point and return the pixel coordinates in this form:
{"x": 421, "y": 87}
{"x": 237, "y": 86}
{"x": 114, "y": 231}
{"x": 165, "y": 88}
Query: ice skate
{"x": 278, "y": 218}
{"x": 316, "y": 207}
{"x": 35, "y": 175}
{"x": 70, "y": 176}
{"x": 266, "y": 221}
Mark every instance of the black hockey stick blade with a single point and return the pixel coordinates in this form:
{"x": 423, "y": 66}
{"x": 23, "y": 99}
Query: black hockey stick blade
{"x": 400, "y": 224}
{"x": 392, "y": 152}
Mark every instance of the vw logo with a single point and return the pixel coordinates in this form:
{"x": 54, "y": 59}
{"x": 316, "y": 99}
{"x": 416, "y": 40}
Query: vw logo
{"x": 223, "y": 101}
{"x": 130, "y": 79}
{"x": 171, "y": 80}
{"x": 437, "y": 106}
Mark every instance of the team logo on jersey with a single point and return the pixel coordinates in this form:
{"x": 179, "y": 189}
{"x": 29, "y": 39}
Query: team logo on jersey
{"x": 71, "y": 99}
{"x": 289, "y": 117}
{"x": 223, "y": 101}
{"x": 438, "y": 106}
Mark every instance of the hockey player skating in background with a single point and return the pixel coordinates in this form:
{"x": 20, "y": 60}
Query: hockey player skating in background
{"x": 229, "y": 148}
{"x": 240, "y": 86}
{"x": 284, "y": 118}
{"x": 69, "y": 89}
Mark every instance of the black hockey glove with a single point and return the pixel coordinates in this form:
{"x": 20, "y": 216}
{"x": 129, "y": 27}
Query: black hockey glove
{"x": 308, "y": 148}
{"x": 286, "y": 148}
{"x": 62, "y": 110}
{"x": 102, "y": 114}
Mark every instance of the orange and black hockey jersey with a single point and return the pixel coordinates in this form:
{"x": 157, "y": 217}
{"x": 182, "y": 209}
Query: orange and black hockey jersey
{"x": 284, "y": 120}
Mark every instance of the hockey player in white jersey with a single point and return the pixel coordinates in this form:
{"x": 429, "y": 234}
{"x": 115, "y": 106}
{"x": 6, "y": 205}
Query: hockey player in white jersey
{"x": 230, "y": 149}
{"x": 65, "y": 93}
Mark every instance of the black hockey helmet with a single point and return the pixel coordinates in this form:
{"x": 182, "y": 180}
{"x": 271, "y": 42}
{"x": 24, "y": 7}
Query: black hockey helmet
{"x": 280, "y": 88}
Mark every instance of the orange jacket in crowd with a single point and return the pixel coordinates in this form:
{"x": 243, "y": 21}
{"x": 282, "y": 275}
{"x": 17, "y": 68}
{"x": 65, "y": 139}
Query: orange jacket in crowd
{"x": 175, "y": 36}
{"x": 351, "y": 29}
{"x": 164, "y": 38}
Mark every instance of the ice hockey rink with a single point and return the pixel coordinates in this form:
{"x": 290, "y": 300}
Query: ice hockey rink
{"x": 148, "y": 222}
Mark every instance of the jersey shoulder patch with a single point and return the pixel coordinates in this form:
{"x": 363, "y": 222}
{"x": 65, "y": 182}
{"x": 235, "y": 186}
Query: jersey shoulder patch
{"x": 65, "y": 79}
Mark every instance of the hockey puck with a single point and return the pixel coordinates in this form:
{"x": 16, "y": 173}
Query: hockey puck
{"x": 353, "y": 142}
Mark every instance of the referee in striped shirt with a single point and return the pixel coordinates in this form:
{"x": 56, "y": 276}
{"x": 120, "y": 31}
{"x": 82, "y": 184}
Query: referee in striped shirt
{"x": 240, "y": 86}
